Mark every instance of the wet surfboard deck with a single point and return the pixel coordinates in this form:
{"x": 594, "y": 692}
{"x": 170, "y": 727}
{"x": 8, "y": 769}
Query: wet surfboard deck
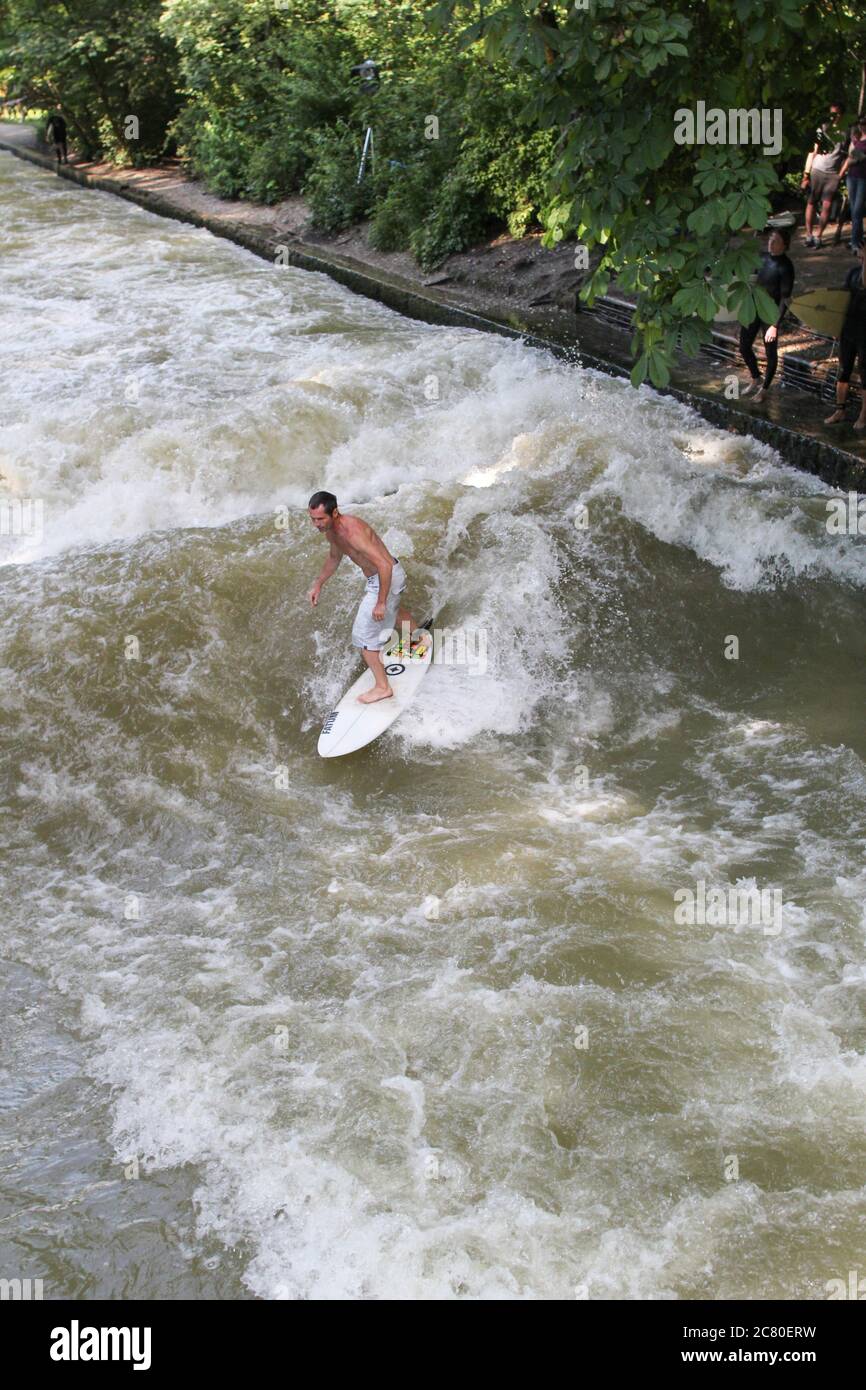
{"x": 353, "y": 725}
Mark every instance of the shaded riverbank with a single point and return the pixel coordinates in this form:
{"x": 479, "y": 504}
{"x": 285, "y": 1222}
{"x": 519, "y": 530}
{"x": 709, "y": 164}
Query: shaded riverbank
{"x": 465, "y": 294}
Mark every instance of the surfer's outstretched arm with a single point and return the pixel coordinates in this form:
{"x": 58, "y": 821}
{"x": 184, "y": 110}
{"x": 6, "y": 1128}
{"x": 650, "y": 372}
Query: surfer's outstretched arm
{"x": 325, "y": 573}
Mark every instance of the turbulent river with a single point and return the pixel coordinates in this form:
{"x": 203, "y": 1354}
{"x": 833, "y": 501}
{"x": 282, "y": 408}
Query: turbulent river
{"x": 426, "y": 1022}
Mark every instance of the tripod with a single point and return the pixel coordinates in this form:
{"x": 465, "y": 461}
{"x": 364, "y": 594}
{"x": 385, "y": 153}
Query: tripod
{"x": 367, "y": 150}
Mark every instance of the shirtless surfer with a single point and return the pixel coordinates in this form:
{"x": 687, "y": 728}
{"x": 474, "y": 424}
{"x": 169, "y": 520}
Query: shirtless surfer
{"x": 386, "y": 580}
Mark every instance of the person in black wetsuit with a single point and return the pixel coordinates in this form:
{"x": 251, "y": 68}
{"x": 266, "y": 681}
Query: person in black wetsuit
{"x": 852, "y": 344}
{"x": 56, "y": 131}
{"x": 776, "y": 276}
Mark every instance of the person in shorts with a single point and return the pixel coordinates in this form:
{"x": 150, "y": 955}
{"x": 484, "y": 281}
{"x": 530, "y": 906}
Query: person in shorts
{"x": 821, "y": 175}
{"x": 379, "y": 611}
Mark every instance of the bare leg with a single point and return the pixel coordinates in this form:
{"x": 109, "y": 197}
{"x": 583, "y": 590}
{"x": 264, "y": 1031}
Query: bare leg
{"x": 810, "y": 217}
{"x": 841, "y": 397}
{"x": 381, "y": 690}
{"x": 406, "y": 629}
{"x": 405, "y": 622}
{"x": 825, "y": 217}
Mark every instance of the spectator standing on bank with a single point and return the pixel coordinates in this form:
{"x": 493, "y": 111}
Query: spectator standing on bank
{"x": 776, "y": 276}
{"x": 821, "y": 174}
{"x": 852, "y": 344}
{"x": 854, "y": 173}
{"x": 56, "y": 131}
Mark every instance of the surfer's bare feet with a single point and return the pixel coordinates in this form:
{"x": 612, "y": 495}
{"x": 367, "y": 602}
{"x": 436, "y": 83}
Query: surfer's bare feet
{"x": 375, "y": 694}
{"x": 836, "y": 418}
{"x": 860, "y": 423}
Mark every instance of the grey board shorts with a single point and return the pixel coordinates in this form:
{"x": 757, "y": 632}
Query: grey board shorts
{"x": 367, "y": 632}
{"x": 822, "y": 187}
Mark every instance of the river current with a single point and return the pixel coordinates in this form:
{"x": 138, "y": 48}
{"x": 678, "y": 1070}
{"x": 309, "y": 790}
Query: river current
{"x": 425, "y": 1022}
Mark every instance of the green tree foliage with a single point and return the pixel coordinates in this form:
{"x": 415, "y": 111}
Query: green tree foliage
{"x": 490, "y": 113}
{"x": 272, "y": 108}
{"x": 103, "y": 61}
{"x": 260, "y": 78}
{"x": 665, "y": 218}
{"x": 259, "y": 97}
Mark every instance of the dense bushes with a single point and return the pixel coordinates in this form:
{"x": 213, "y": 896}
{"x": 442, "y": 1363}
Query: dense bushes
{"x": 259, "y": 81}
{"x": 259, "y": 98}
{"x": 271, "y": 109}
{"x": 490, "y": 113}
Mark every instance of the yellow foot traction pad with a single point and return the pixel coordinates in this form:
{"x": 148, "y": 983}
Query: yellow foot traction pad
{"x": 399, "y": 649}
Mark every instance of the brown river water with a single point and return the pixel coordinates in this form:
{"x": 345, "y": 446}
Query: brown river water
{"x": 431, "y": 1021}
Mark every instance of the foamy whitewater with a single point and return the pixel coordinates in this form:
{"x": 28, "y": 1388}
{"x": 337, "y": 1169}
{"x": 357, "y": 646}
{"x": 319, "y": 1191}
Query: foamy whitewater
{"x": 421, "y": 1023}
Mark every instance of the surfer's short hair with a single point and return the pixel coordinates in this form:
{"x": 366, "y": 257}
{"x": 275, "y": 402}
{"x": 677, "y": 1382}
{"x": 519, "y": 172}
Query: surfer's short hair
{"x": 323, "y": 499}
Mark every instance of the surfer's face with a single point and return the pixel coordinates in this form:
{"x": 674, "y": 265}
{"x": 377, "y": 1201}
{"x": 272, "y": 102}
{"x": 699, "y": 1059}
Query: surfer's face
{"x": 775, "y": 245}
{"x": 320, "y": 519}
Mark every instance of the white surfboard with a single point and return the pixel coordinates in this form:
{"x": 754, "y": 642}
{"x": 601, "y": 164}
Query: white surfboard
{"x": 352, "y": 725}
